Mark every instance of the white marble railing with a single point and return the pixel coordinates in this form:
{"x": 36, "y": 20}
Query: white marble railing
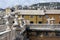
{"x": 2, "y": 28}
{"x": 4, "y": 35}
{"x": 7, "y": 34}
{"x": 44, "y": 26}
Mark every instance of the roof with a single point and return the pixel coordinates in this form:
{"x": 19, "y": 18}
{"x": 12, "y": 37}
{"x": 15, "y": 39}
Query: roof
{"x": 37, "y": 12}
{"x": 30, "y": 12}
{"x": 52, "y": 12}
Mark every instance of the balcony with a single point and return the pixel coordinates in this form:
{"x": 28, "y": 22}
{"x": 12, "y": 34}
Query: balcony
{"x": 52, "y": 27}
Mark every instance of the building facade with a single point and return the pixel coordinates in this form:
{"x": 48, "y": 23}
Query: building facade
{"x": 43, "y": 24}
{"x": 39, "y": 16}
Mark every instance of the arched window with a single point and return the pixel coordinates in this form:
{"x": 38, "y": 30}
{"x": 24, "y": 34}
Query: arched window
{"x": 31, "y": 22}
{"x": 23, "y": 16}
{"x": 40, "y": 22}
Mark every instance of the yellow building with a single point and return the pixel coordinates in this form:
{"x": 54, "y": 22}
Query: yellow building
{"x": 44, "y": 24}
{"x": 39, "y": 16}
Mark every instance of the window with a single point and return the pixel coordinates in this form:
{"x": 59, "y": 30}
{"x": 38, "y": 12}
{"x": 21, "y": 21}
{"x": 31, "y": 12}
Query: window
{"x": 31, "y": 16}
{"x": 23, "y": 16}
{"x": 31, "y": 22}
{"x": 57, "y": 33}
{"x": 40, "y": 22}
{"x": 40, "y": 16}
{"x": 47, "y": 16}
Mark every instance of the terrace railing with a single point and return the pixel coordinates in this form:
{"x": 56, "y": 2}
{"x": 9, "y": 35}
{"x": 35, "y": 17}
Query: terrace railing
{"x": 44, "y": 26}
{"x": 2, "y": 28}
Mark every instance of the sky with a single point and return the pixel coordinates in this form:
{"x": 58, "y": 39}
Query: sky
{"x": 10, "y": 3}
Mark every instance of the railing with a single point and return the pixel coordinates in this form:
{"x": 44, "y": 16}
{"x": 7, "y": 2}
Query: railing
{"x": 2, "y": 28}
{"x": 44, "y": 26}
{"x": 4, "y": 35}
{"x": 7, "y": 35}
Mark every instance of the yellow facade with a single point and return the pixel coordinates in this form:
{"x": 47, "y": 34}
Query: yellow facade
{"x": 42, "y": 19}
{"x": 39, "y": 19}
{"x": 32, "y": 18}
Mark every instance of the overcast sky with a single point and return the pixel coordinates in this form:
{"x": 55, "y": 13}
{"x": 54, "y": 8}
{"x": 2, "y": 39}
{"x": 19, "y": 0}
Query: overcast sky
{"x": 10, "y": 3}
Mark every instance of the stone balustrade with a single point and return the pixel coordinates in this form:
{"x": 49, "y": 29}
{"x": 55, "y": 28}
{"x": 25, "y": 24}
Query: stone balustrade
{"x": 7, "y": 34}
{"x": 44, "y": 26}
{"x": 2, "y": 28}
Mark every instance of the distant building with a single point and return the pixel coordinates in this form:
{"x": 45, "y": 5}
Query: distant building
{"x": 43, "y": 24}
{"x": 40, "y": 16}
